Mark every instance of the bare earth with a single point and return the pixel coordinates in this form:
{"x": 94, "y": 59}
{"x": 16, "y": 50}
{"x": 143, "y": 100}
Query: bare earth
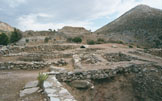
{"x": 12, "y": 81}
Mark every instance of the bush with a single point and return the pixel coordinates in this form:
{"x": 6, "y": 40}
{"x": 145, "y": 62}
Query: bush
{"x": 15, "y": 36}
{"x": 90, "y": 42}
{"x": 4, "y": 39}
{"x": 41, "y": 78}
{"x": 26, "y": 40}
{"x": 46, "y": 39}
{"x": 130, "y": 46}
{"x": 77, "y": 39}
{"x": 138, "y": 46}
{"x": 100, "y": 41}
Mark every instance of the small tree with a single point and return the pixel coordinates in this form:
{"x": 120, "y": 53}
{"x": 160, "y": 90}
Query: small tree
{"x": 77, "y": 39}
{"x": 90, "y": 42}
{"x": 50, "y": 30}
{"x": 15, "y": 36}
{"x": 4, "y": 39}
{"x": 26, "y": 40}
{"x": 46, "y": 39}
{"x": 100, "y": 41}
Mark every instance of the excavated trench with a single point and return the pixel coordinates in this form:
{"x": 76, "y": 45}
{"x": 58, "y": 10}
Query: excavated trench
{"x": 142, "y": 83}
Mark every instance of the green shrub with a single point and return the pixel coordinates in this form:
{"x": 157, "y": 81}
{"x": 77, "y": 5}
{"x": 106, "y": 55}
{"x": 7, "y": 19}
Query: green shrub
{"x": 138, "y": 46}
{"x": 130, "y": 46}
{"x": 15, "y": 36}
{"x": 100, "y": 41}
{"x": 77, "y": 39}
{"x": 46, "y": 39}
{"x": 90, "y": 42}
{"x": 41, "y": 78}
{"x": 4, "y": 39}
{"x": 26, "y": 40}
{"x": 157, "y": 43}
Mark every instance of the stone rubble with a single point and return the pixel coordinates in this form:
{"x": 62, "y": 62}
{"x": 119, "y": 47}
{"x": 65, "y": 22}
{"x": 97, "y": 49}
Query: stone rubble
{"x": 55, "y": 91}
{"x": 30, "y": 88}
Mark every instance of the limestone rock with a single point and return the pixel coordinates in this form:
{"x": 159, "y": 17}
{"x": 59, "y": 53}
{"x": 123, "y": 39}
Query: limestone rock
{"x": 31, "y": 84}
{"x": 57, "y": 69}
{"x": 54, "y": 99}
{"x": 80, "y": 84}
{"x": 28, "y": 91}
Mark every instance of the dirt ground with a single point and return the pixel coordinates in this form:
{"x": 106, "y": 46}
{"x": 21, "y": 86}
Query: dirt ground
{"x": 114, "y": 89}
{"x": 12, "y": 81}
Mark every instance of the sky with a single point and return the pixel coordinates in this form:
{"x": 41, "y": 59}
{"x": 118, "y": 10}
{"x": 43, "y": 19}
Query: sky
{"x": 54, "y": 14}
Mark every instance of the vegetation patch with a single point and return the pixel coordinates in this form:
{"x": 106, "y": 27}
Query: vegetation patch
{"x": 41, "y": 78}
{"x": 91, "y": 42}
{"x": 4, "y": 40}
{"x": 75, "y": 39}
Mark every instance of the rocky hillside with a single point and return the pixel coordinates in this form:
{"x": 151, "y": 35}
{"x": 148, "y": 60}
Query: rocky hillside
{"x": 4, "y": 27}
{"x": 68, "y": 30}
{"x": 141, "y": 26}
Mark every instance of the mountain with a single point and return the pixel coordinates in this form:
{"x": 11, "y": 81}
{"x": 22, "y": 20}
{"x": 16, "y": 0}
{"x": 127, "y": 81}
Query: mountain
{"x": 141, "y": 26}
{"x": 4, "y": 27}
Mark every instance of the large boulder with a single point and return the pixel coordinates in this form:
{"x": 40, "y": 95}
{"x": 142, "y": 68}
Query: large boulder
{"x": 31, "y": 84}
{"x": 81, "y": 84}
{"x": 28, "y": 91}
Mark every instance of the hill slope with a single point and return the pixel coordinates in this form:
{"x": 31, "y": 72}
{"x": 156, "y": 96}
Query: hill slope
{"x": 141, "y": 25}
{"x": 5, "y": 27}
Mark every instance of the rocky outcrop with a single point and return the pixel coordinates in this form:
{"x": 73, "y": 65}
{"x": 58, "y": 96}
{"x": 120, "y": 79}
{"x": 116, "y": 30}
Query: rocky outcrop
{"x": 5, "y": 27}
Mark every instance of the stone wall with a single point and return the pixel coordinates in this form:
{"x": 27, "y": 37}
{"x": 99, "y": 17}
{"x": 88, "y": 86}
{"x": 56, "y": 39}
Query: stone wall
{"x": 156, "y": 52}
{"x": 105, "y": 73}
{"x": 23, "y": 65}
{"x": 40, "y": 48}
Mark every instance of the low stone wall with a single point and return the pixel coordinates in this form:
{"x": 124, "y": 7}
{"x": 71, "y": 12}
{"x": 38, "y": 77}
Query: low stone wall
{"x": 40, "y": 48}
{"x": 104, "y": 73}
{"x": 23, "y": 65}
{"x": 156, "y": 52}
{"x": 51, "y": 55}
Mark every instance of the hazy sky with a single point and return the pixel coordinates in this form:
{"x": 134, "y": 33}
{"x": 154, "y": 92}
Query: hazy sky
{"x": 54, "y": 14}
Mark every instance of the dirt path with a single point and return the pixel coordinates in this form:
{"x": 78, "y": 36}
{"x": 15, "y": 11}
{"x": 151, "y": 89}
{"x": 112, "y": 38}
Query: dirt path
{"x": 12, "y": 81}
